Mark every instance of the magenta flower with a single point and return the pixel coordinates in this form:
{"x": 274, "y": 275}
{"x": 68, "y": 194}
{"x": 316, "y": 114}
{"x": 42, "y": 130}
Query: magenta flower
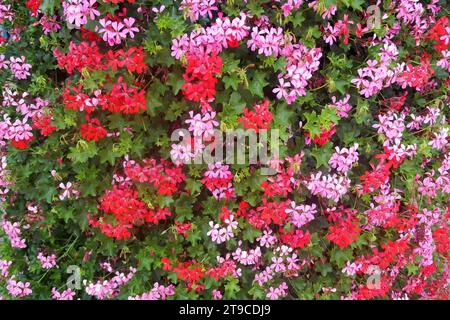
{"x": 18, "y": 288}
{"x": 77, "y": 12}
{"x": 113, "y": 31}
{"x": 19, "y": 67}
{"x": 47, "y": 262}
{"x": 65, "y": 295}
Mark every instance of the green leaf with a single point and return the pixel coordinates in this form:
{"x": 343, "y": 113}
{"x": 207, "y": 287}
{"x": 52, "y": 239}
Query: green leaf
{"x": 357, "y": 4}
{"x": 231, "y": 81}
{"x": 48, "y": 6}
{"x": 280, "y": 64}
{"x": 83, "y": 151}
{"x": 183, "y": 207}
{"x": 194, "y": 186}
{"x": 258, "y": 83}
{"x": 297, "y": 18}
{"x": 316, "y": 123}
{"x": 231, "y": 288}
{"x": 250, "y": 234}
{"x": 362, "y": 111}
{"x": 324, "y": 268}
{"x": 175, "y": 81}
{"x": 194, "y": 237}
{"x": 322, "y": 154}
{"x": 341, "y": 256}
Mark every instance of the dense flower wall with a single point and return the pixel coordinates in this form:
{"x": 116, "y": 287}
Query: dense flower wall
{"x": 98, "y": 202}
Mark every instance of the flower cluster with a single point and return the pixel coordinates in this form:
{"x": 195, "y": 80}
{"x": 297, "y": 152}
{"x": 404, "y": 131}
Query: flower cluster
{"x": 218, "y": 180}
{"x": 193, "y": 9}
{"x": 123, "y": 201}
{"x": 200, "y": 77}
{"x": 220, "y": 234}
{"x": 77, "y": 12}
{"x": 18, "y": 288}
{"x": 330, "y": 186}
{"x": 18, "y": 66}
{"x": 114, "y": 31}
{"x": 344, "y": 158}
{"x": 108, "y": 289}
{"x": 47, "y": 262}
{"x": 13, "y": 232}
{"x": 259, "y": 118}
{"x": 158, "y": 292}
{"x": 68, "y": 294}
{"x": 123, "y": 204}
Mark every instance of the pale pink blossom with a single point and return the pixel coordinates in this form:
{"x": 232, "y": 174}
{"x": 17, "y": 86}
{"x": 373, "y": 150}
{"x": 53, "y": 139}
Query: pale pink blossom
{"x": 65, "y": 295}
{"x": 18, "y": 289}
{"x": 19, "y": 67}
{"x": 47, "y": 262}
{"x": 77, "y": 12}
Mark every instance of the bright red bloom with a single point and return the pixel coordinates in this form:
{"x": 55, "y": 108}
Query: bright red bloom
{"x": 227, "y": 268}
{"x": 373, "y": 180}
{"x": 189, "y": 271}
{"x": 437, "y": 31}
{"x": 343, "y": 30}
{"x": 324, "y": 136}
{"x": 360, "y": 30}
{"x": 258, "y": 119}
{"x": 83, "y": 55}
{"x": 123, "y": 204}
{"x": 163, "y": 176}
{"x": 75, "y": 99}
{"x": 345, "y": 232}
{"x": 44, "y": 124}
{"x": 21, "y": 144}
{"x": 89, "y": 35}
{"x": 166, "y": 263}
{"x": 117, "y": 230}
{"x": 396, "y": 103}
{"x": 441, "y": 237}
{"x": 392, "y": 160}
{"x": 125, "y": 99}
{"x": 392, "y": 252}
{"x": 273, "y": 212}
{"x": 200, "y": 76}
{"x": 340, "y": 213}
{"x": 367, "y": 291}
{"x": 93, "y": 130}
{"x": 154, "y": 216}
{"x": 280, "y": 185}
{"x": 404, "y": 221}
{"x": 243, "y": 207}
{"x": 251, "y": 215}
{"x": 417, "y": 76}
{"x": 233, "y": 43}
{"x": 128, "y": 210}
{"x": 183, "y": 228}
{"x": 225, "y": 214}
{"x": 295, "y": 238}
{"x": 132, "y": 59}
{"x": 33, "y": 6}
